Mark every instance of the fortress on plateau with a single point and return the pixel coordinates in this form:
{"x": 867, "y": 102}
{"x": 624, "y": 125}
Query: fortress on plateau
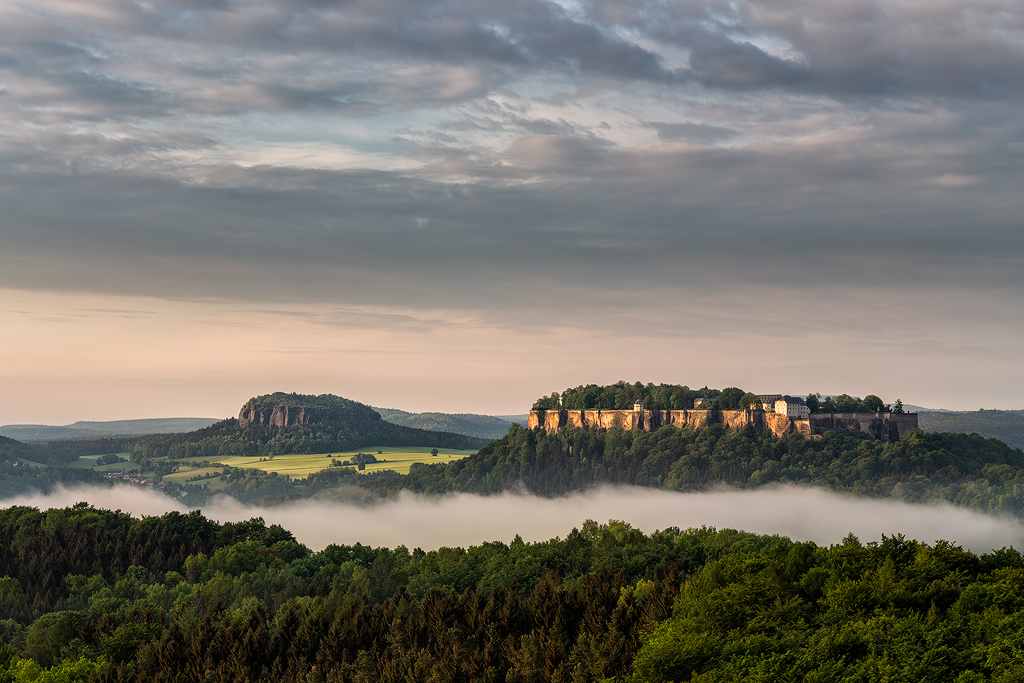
{"x": 781, "y": 415}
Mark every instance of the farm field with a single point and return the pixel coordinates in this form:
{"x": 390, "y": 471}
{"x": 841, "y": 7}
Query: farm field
{"x": 297, "y": 466}
{"x": 89, "y": 462}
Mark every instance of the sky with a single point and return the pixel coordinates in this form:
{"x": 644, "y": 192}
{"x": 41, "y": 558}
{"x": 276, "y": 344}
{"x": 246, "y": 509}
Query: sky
{"x": 462, "y": 205}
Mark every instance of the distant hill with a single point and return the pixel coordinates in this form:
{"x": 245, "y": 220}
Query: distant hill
{"x": 910, "y": 408}
{"x": 483, "y": 426}
{"x": 1005, "y": 425}
{"x": 94, "y": 430}
{"x": 521, "y": 420}
{"x": 280, "y": 423}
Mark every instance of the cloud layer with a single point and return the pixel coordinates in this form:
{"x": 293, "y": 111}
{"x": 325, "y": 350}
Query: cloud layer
{"x": 631, "y": 170}
{"x": 461, "y": 520}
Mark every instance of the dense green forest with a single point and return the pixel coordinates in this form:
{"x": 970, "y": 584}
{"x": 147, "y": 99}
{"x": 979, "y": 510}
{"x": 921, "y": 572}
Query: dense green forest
{"x": 55, "y": 455}
{"x": 893, "y": 611}
{"x": 622, "y": 396}
{"x": 967, "y": 470}
{"x": 227, "y": 438}
{"x": 93, "y": 595}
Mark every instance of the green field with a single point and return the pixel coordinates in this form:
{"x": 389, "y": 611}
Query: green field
{"x": 295, "y": 466}
{"x": 89, "y": 462}
{"x": 399, "y": 459}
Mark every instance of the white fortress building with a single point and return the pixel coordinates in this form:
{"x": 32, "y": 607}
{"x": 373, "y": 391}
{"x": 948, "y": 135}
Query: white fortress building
{"x": 790, "y": 406}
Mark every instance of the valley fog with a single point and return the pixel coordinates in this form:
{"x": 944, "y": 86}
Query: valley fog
{"x": 463, "y": 519}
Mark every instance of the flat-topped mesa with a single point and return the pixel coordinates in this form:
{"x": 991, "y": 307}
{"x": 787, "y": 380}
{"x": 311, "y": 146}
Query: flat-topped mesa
{"x": 884, "y": 426}
{"x": 286, "y": 410}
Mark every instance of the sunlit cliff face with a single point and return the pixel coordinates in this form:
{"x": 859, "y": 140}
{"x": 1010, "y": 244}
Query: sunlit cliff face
{"x": 464, "y": 519}
{"x": 413, "y": 204}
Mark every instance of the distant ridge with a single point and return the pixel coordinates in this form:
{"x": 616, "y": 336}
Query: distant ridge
{"x": 523, "y": 419}
{"x": 472, "y": 424}
{"x": 84, "y": 429}
{"x": 1005, "y": 425}
{"x": 910, "y": 408}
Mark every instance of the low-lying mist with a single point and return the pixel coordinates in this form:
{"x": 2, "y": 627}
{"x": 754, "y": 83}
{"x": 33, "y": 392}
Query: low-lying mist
{"x": 818, "y": 515}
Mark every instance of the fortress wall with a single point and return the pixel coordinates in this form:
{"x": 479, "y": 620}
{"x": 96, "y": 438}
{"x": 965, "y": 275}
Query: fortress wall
{"x": 885, "y": 426}
{"x": 686, "y": 418}
{"x": 904, "y": 422}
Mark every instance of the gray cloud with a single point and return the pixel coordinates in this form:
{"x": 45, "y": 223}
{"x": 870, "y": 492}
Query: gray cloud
{"x": 602, "y": 219}
{"x": 846, "y": 48}
{"x": 300, "y": 54}
{"x": 697, "y": 132}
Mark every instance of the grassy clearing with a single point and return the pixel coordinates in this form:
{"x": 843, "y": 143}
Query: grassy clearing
{"x": 397, "y": 458}
{"x": 185, "y": 473}
{"x": 89, "y": 462}
{"x": 296, "y": 466}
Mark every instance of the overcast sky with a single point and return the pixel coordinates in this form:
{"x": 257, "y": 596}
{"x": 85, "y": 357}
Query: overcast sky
{"x": 462, "y": 205}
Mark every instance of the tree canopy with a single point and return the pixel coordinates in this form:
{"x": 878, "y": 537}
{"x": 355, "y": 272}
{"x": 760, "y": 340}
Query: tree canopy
{"x": 180, "y": 598}
{"x": 622, "y": 395}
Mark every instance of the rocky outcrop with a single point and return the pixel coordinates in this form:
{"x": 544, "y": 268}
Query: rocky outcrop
{"x": 555, "y": 420}
{"x": 288, "y": 415}
{"x": 884, "y": 426}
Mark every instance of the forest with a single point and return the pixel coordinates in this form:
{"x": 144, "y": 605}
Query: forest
{"x": 94, "y": 595}
{"x": 964, "y": 469}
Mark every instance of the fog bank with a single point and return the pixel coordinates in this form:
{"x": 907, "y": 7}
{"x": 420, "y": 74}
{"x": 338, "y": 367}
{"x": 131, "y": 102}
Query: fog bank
{"x": 818, "y": 515}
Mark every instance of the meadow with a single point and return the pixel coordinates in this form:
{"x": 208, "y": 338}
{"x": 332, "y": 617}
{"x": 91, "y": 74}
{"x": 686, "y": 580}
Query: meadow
{"x": 295, "y": 465}
{"x": 298, "y": 465}
{"x": 90, "y": 462}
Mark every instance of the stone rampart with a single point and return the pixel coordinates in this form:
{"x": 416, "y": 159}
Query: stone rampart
{"x": 884, "y": 426}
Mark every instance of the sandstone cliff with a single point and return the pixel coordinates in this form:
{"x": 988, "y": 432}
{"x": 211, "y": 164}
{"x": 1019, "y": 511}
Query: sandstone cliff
{"x": 287, "y": 415}
{"x": 286, "y": 410}
{"x": 884, "y": 426}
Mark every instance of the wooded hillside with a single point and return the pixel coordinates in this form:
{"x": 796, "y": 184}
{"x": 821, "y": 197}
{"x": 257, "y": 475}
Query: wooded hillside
{"x": 967, "y": 470}
{"x": 95, "y": 595}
